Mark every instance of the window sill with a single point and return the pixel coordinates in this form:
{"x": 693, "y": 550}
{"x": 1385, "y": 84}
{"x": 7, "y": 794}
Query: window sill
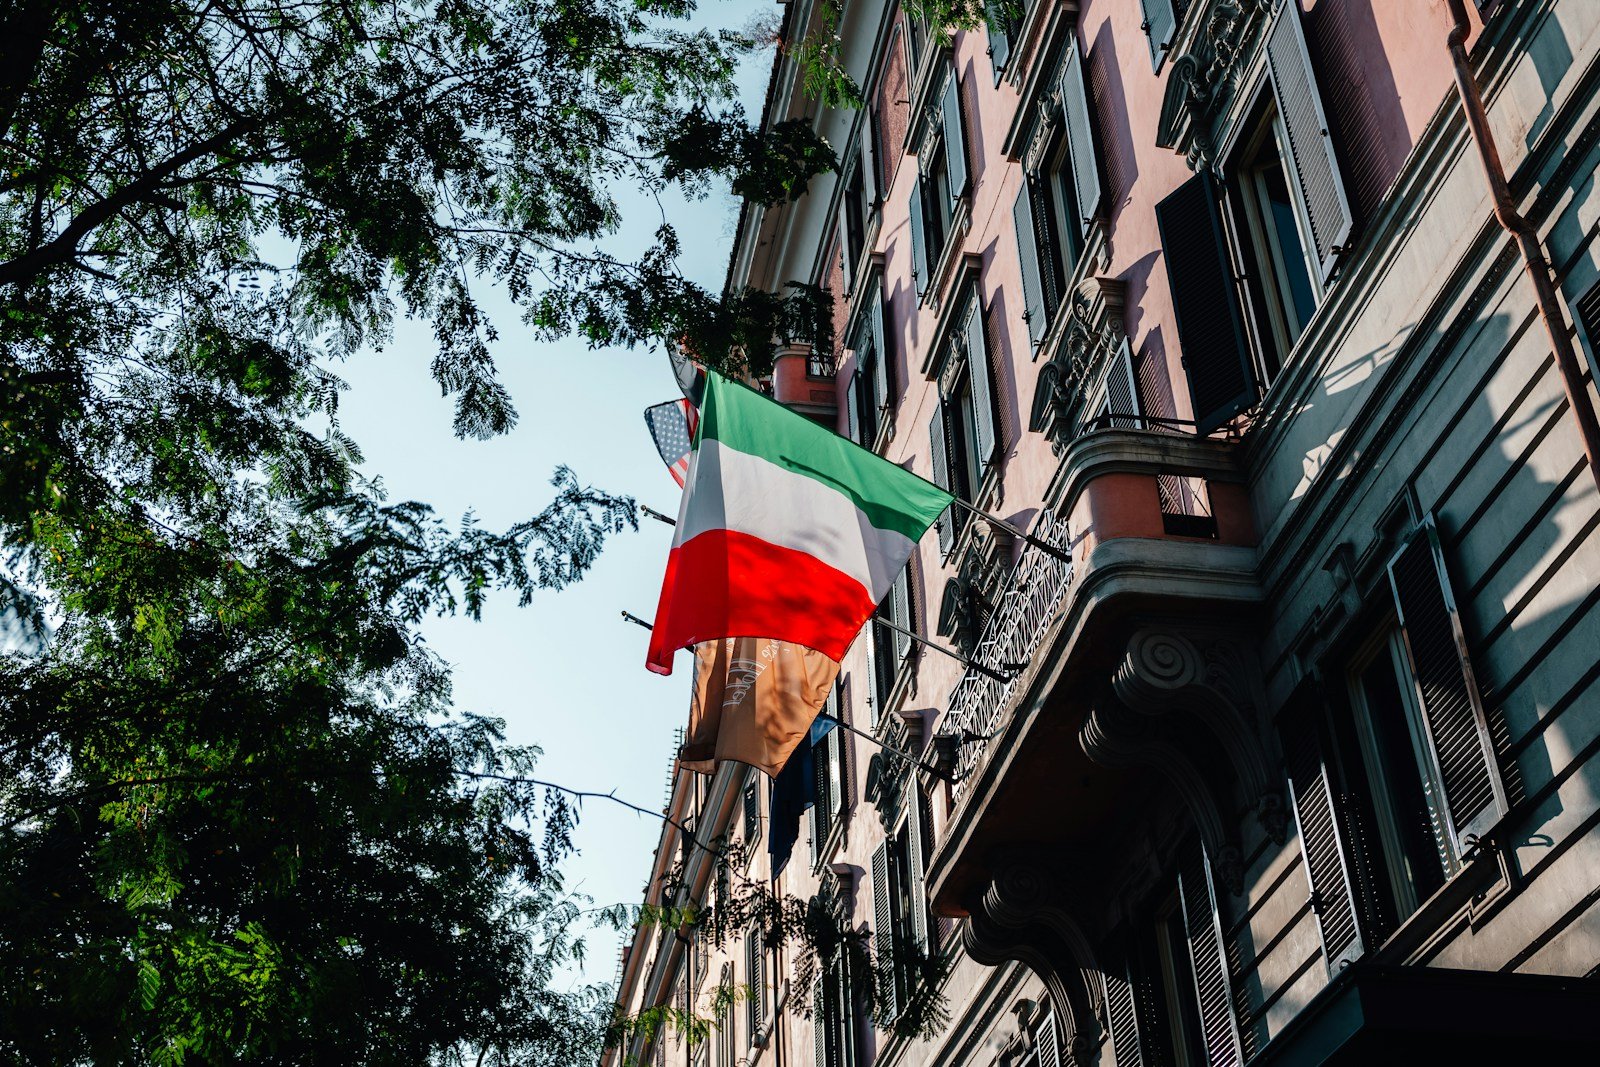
{"x": 1460, "y": 902}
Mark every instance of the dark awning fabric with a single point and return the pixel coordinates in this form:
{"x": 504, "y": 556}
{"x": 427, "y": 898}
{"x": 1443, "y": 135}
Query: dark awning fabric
{"x": 1374, "y": 1015}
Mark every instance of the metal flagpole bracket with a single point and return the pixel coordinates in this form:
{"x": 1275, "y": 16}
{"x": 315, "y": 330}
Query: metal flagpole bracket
{"x": 658, "y": 516}
{"x": 971, "y": 664}
{"x": 1037, "y": 542}
{"x": 629, "y": 616}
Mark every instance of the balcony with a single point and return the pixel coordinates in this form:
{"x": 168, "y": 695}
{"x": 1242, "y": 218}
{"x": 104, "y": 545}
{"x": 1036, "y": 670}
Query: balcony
{"x": 803, "y": 380}
{"x": 1161, "y": 543}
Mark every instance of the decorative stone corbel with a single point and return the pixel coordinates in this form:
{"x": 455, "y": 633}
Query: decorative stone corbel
{"x": 1170, "y": 683}
{"x": 1201, "y": 81}
{"x": 1027, "y": 912}
{"x": 1093, "y": 336}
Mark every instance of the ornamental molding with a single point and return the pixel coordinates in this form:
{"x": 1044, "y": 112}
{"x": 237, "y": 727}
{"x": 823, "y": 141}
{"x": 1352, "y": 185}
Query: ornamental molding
{"x": 1187, "y": 702}
{"x": 1027, "y": 912}
{"x": 1094, "y": 334}
{"x": 1204, "y": 79}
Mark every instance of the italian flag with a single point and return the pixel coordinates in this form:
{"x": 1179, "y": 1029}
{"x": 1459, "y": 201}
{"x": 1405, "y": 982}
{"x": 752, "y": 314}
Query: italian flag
{"x": 786, "y": 531}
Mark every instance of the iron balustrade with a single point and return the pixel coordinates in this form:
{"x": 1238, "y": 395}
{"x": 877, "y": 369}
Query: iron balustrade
{"x": 1032, "y": 595}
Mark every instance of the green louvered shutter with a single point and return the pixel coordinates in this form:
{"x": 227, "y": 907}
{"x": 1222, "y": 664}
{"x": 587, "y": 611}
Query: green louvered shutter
{"x": 1160, "y": 22}
{"x": 955, "y": 140}
{"x": 1033, "y": 311}
{"x": 999, "y": 26}
{"x": 919, "y": 239}
{"x": 1205, "y": 303}
{"x": 978, "y": 366}
{"x": 1436, "y": 649}
{"x": 939, "y": 451}
{"x": 917, "y": 889}
{"x": 1080, "y": 137}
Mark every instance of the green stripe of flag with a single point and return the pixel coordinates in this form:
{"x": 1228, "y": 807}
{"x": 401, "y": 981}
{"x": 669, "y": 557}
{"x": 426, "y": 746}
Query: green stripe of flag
{"x": 891, "y": 497}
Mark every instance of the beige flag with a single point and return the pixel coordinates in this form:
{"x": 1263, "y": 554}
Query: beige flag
{"x": 754, "y": 700}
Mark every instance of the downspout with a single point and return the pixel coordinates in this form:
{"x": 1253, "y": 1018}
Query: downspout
{"x": 1533, "y": 260}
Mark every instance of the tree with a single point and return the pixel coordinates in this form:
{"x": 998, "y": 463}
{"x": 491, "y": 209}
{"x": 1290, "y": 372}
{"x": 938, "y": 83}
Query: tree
{"x": 242, "y": 819}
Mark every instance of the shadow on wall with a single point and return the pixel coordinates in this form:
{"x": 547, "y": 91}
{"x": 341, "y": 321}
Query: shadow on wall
{"x": 1552, "y": 58}
{"x": 1111, "y": 112}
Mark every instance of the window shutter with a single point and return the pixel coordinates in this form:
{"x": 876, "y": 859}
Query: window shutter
{"x": 1311, "y": 148}
{"x": 752, "y": 815}
{"x": 983, "y": 421}
{"x": 1122, "y": 389}
{"x": 955, "y": 141}
{"x": 870, "y": 632}
{"x": 1080, "y": 136}
{"x": 1210, "y": 327}
{"x": 852, "y": 429}
{"x": 868, "y": 155}
{"x": 820, "y": 1030}
{"x": 756, "y": 980}
{"x": 1122, "y": 1014}
{"x": 883, "y": 927}
{"x": 847, "y": 261}
{"x": 900, "y": 615}
{"x": 999, "y": 25}
{"x": 821, "y": 780}
{"x": 1160, "y": 22}
{"x": 1049, "y": 1043}
{"x": 940, "y": 454}
{"x": 1436, "y": 647}
{"x": 916, "y": 889}
{"x": 1320, "y": 840}
{"x": 881, "y": 376}
{"x": 1212, "y": 994}
{"x": 919, "y": 239}
{"x": 1028, "y": 253}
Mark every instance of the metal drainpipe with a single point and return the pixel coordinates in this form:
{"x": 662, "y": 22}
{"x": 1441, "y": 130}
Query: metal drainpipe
{"x": 1533, "y": 260}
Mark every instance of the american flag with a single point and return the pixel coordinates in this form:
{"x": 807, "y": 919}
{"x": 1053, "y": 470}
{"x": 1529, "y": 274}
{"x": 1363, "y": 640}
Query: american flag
{"x": 672, "y": 424}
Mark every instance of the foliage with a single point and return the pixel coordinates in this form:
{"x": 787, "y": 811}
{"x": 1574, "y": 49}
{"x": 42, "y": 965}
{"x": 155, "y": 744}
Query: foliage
{"x": 812, "y": 928}
{"x": 241, "y": 818}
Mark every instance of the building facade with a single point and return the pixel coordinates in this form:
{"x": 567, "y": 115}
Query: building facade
{"x": 1296, "y": 758}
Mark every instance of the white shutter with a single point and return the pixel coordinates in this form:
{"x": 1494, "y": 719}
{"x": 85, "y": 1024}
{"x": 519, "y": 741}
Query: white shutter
{"x": 919, "y": 239}
{"x": 883, "y": 927}
{"x": 1311, "y": 162}
{"x": 870, "y": 632}
{"x": 916, "y": 889}
{"x": 881, "y": 378}
{"x": 842, "y": 233}
{"x": 852, "y": 427}
{"x": 1122, "y": 388}
{"x": 1049, "y": 1042}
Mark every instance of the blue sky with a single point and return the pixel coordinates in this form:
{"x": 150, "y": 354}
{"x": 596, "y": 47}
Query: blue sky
{"x": 565, "y": 673}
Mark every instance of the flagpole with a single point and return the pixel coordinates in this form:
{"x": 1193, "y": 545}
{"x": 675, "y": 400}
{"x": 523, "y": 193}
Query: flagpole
{"x": 891, "y": 749}
{"x": 952, "y": 653}
{"x": 1042, "y": 545}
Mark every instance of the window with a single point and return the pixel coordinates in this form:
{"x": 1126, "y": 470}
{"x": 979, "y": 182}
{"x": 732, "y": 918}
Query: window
{"x": 888, "y": 652}
{"x": 1393, "y": 787}
{"x": 1060, "y": 194}
{"x": 859, "y": 201}
{"x": 1288, "y": 221}
{"x": 1043, "y": 1049}
{"x": 834, "y": 1014}
{"x": 752, "y": 816}
{"x": 867, "y": 396}
{"x": 828, "y": 767}
{"x": 899, "y": 895}
{"x": 727, "y": 1048}
{"x": 963, "y": 433}
{"x": 755, "y": 975}
{"x": 941, "y": 183}
{"x": 1284, "y": 289}
{"x": 1393, "y": 752}
{"x": 1170, "y": 1000}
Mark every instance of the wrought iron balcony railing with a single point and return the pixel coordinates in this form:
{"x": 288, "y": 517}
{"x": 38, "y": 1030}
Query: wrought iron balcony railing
{"x": 1030, "y": 598}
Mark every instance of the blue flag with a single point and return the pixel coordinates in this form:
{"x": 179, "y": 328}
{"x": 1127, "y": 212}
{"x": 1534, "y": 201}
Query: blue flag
{"x": 793, "y": 791}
